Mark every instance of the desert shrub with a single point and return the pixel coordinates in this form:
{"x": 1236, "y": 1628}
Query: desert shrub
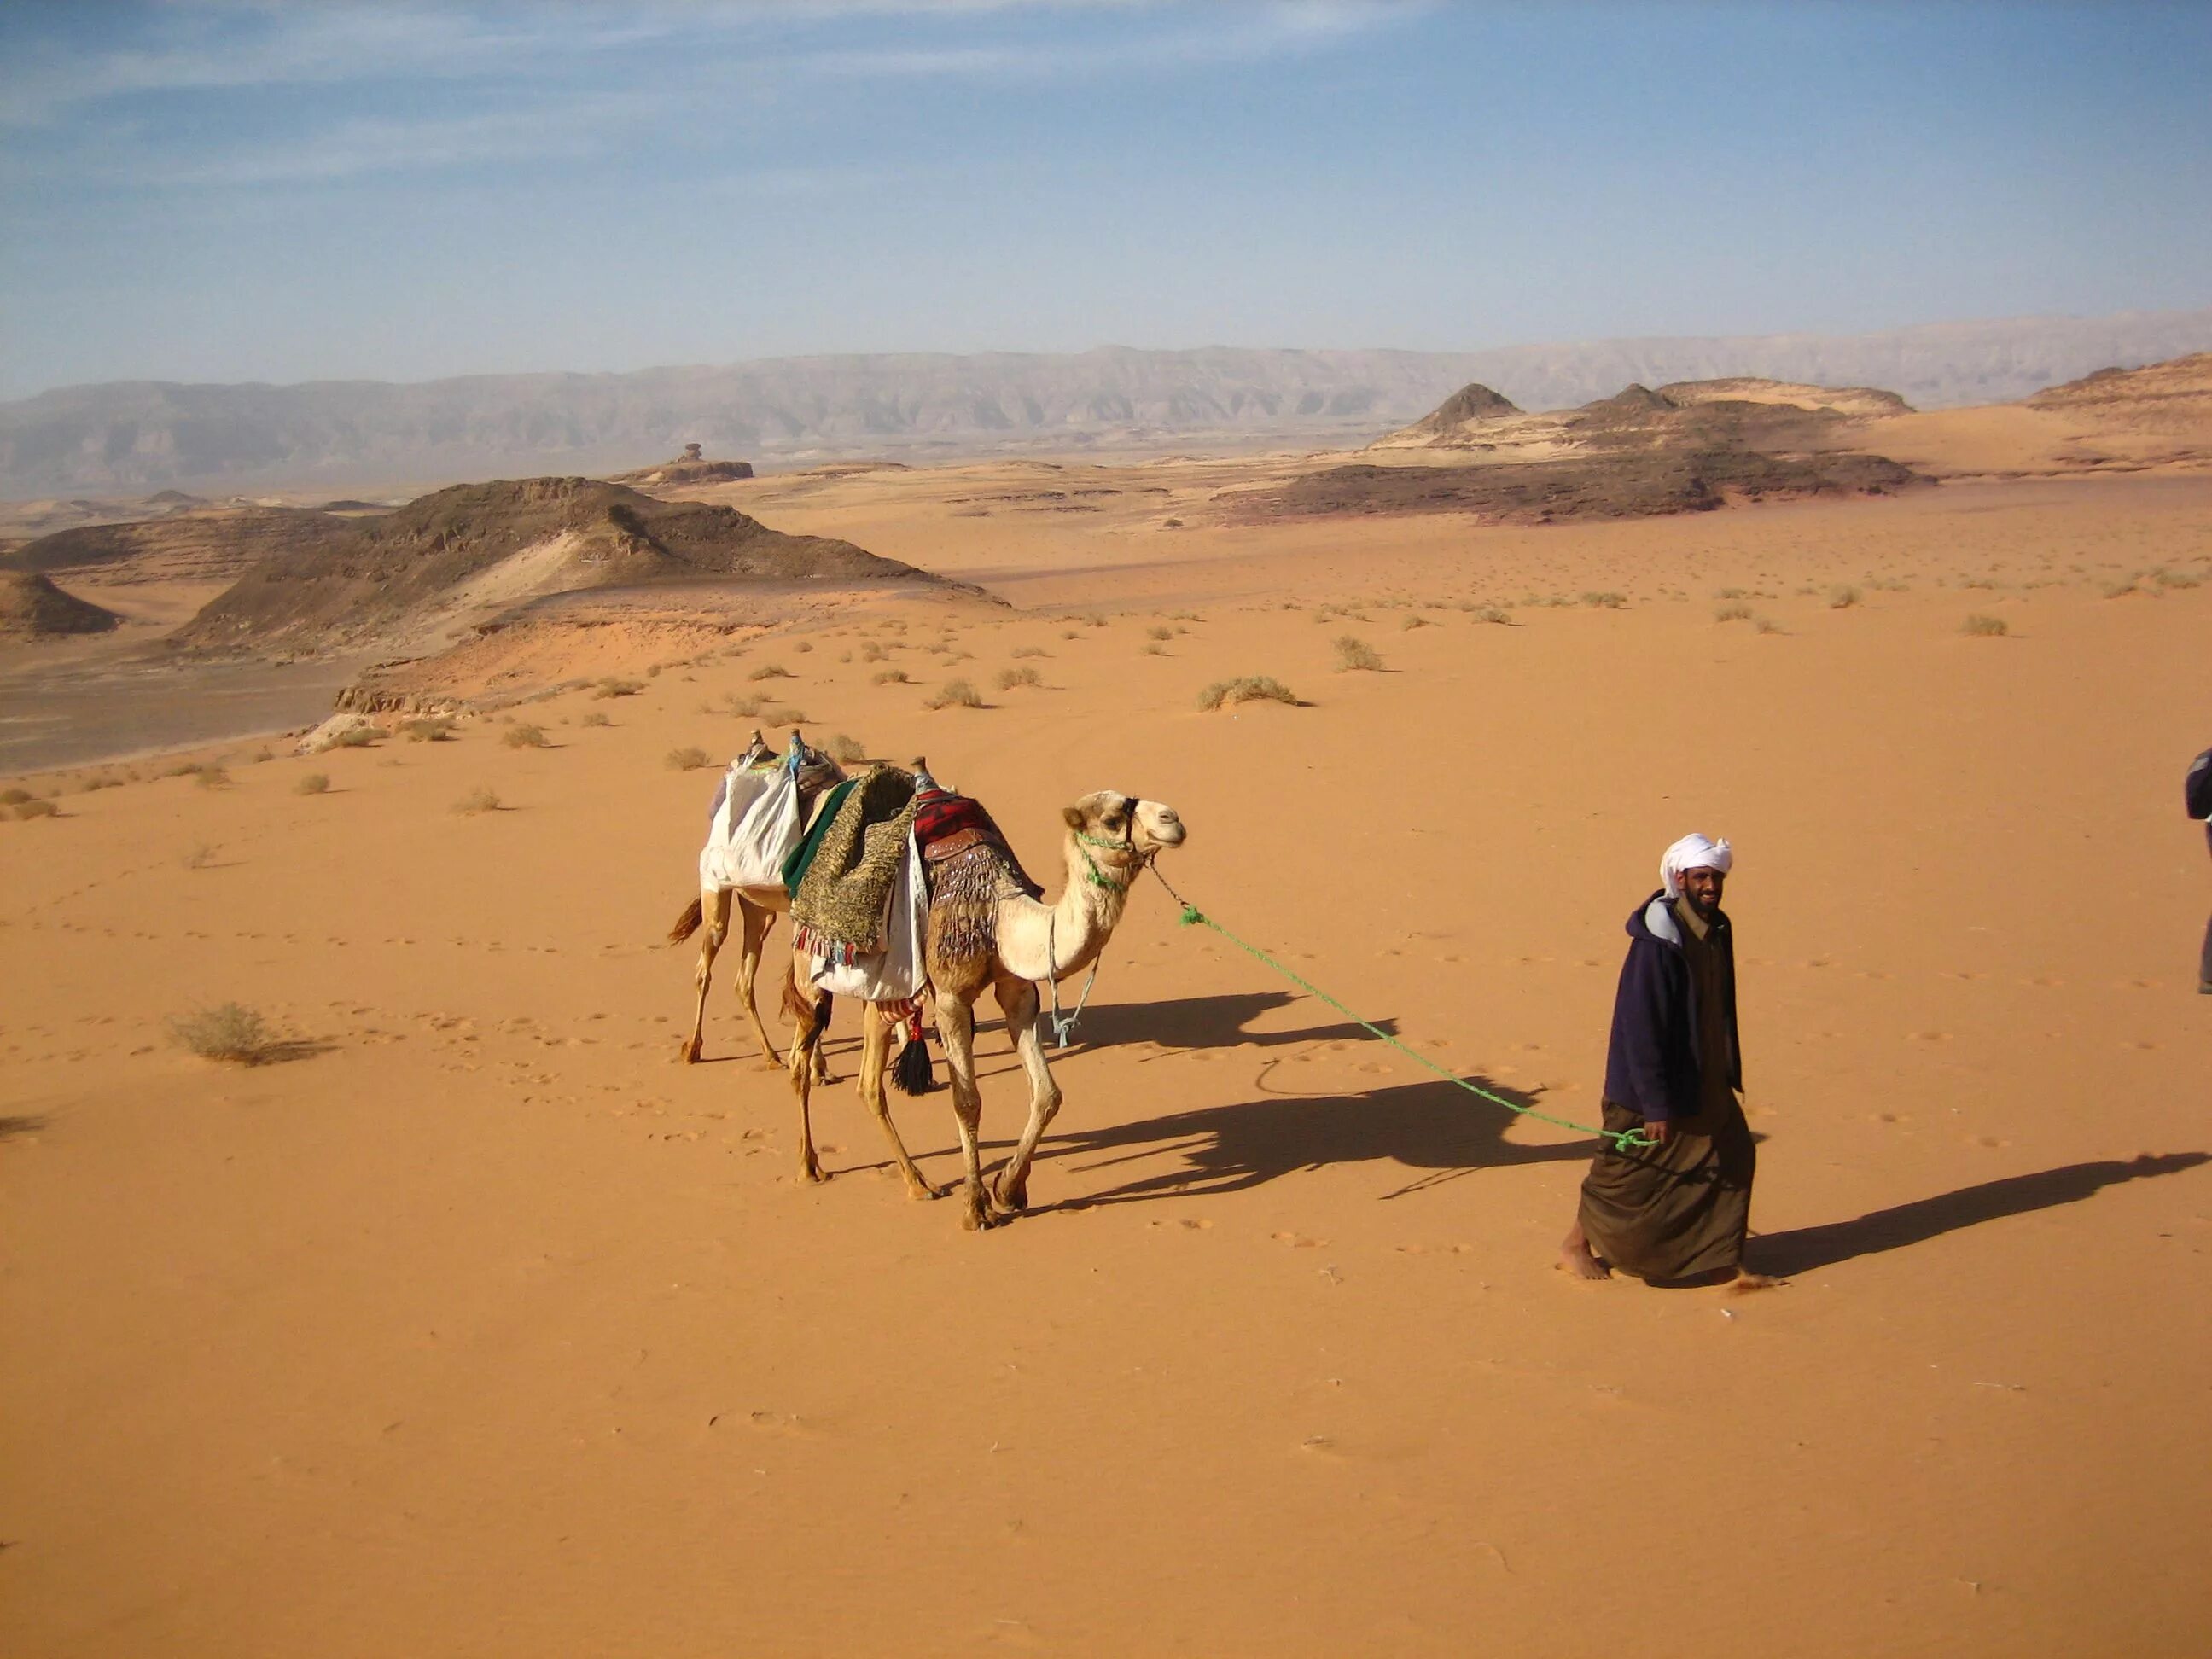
{"x": 614, "y": 687}
{"x": 871, "y": 652}
{"x": 1071, "y": 634}
{"x": 36, "y": 809}
{"x": 769, "y": 671}
{"x": 228, "y": 1031}
{"x": 479, "y": 800}
{"x": 1606, "y": 601}
{"x": 1985, "y": 626}
{"x": 200, "y": 856}
{"x": 1151, "y": 648}
{"x": 211, "y": 776}
{"x": 847, "y": 751}
{"x": 595, "y": 717}
{"x": 1249, "y": 687}
{"x": 1184, "y": 617}
{"x": 802, "y": 646}
{"x": 1731, "y": 594}
{"x": 1490, "y": 613}
{"x": 1171, "y": 524}
{"x": 1021, "y": 651}
{"x": 1354, "y": 653}
{"x": 1843, "y": 597}
{"x": 1766, "y": 625}
{"x": 1408, "y": 623}
{"x": 774, "y": 713}
{"x": 893, "y": 677}
{"x": 955, "y": 694}
{"x": 436, "y": 729}
{"x": 14, "y": 797}
{"x": 358, "y": 736}
{"x": 523, "y": 737}
{"x": 315, "y": 783}
{"x": 2119, "y": 590}
{"x": 2175, "y": 578}
{"x": 1159, "y": 633}
{"x": 1737, "y": 611}
{"x": 745, "y": 707}
{"x": 688, "y": 759}
{"x": 1009, "y": 678}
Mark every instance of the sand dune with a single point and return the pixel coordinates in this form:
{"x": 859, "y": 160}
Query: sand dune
{"x": 473, "y": 1324}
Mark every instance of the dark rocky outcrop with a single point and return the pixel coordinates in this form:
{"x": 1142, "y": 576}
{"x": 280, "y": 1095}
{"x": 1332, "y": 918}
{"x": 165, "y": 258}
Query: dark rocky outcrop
{"x": 33, "y": 608}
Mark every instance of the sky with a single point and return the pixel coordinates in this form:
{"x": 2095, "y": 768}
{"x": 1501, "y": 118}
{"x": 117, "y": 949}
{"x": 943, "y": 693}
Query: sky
{"x": 282, "y": 190}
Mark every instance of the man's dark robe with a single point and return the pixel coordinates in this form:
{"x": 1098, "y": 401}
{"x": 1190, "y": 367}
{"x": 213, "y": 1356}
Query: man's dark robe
{"x": 1678, "y": 1210}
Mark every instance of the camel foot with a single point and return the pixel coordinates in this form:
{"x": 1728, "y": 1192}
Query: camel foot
{"x": 690, "y": 1052}
{"x": 921, "y": 1191}
{"x": 976, "y": 1217}
{"x": 1010, "y": 1200}
{"x": 813, "y": 1173}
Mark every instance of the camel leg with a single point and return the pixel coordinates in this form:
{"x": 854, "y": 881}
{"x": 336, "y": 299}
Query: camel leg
{"x": 875, "y": 1048}
{"x": 756, "y": 923}
{"x": 1018, "y": 998}
{"x": 810, "y": 1018}
{"x": 955, "y": 1025}
{"x": 715, "y": 904}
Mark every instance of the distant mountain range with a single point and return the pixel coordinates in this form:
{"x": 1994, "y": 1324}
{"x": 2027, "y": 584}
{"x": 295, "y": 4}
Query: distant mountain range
{"x": 136, "y": 436}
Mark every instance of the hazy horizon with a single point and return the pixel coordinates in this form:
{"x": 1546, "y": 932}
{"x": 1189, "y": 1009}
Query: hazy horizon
{"x": 285, "y": 194}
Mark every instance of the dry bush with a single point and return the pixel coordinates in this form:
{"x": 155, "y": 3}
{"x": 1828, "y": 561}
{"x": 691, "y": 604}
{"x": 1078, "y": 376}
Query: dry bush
{"x": 774, "y": 713}
{"x": 871, "y": 652}
{"x": 14, "y": 797}
{"x": 1735, "y": 612}
{"x": 36, "y": 809}
{"x": 893, "y": 677}
{"x": 1606, "y": 601}
{"x": 1843, "y": 597}
{"x": 1985, "y": 626}
{"x": 2175, "y": 578}
{"x": 1071, "y": 634}
{"x": 359, "y": 737}
{"x": 1766, "y": 625}
{"x": 479, "y": 800}
{"x": 524, "y": 737}
{"x": 613, "y": 687}
{"x": 433, "y": 729}
{"x": 802, "y": 646}
{"x": 200, "y": 856}
{"x": 1184, "y": 617}
{"x": 1731, "y": 593}
{"x": 688, "y": 759}
{"x": 847, "y": 751}
{"x": 315, "y": 783}
{"x": 595, "y": 717}
{"x": 1159, "y": 633}
{"x": 769, "y": 671}
{"x": 1490, "y": 613}
{"x": 1250, "y": 687}
{"x": 745, "y": 707}
{"x": 1354, "y": 653}
{"x": 1009, "y": 678}
{"x": 1408, "y": 623}
{"x": 2120, "y": 589}
{"x": 955, "y": 694}
{"x": 1021, "y": 651}
{"x": 1151, "y": 648}
{"x": 1094, "y": 619}
{"x": 211, "y": 776}
{"x": 229, "y": 1032}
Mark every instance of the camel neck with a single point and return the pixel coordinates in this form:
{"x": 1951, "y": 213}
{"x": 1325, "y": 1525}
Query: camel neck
{"x": 1091, "y": 901}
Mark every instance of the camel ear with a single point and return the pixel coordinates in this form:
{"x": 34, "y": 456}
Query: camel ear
{"x": 1072, "y": 817}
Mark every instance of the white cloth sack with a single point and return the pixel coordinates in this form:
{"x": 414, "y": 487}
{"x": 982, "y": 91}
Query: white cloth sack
{"x": 754, "y": 832}
{"x": 894, "y": 972}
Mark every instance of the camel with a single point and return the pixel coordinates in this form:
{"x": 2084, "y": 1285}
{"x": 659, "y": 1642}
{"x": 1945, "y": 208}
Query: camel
{"x": 757, "y": 909}
{"x": 1110, "y": 838}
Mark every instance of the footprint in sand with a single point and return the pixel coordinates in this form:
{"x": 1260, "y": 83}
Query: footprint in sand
{"x": 1297, "y": 1241}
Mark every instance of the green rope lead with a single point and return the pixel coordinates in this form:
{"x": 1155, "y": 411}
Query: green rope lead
{"x": 1192, "y": 917}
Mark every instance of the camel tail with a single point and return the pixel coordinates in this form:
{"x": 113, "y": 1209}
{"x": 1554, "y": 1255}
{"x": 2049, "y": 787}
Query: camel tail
{"x": 694, "y": 917}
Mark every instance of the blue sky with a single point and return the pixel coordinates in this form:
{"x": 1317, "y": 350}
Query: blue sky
{"x": 288, "y": 191}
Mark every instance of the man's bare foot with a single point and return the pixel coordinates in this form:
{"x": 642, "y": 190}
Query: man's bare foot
{"x": 1577, "y": 1257}
{"x": 1745, "y": 1283}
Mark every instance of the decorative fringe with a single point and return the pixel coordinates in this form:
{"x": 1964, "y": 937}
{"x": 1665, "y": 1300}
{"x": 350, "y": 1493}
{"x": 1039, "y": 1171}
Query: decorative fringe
{"x": 963, "y": 903}
{"x": 912, "y": 1073}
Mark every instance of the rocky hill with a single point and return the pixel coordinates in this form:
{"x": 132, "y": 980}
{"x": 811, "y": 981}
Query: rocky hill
{"x": 2169, "y": 396}
{"x": 334, "y": 435}
{"x": 198, "y": 544}
{"x": 33, "y": 608}
{"x": 452, "y": 558}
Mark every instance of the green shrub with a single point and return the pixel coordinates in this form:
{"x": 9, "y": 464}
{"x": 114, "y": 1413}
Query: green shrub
{"x": 1250, "y": 687}
{"x": 1354, "y": 653}
{"x": 228, "y": 1032}
{"x": 955, "y": 694}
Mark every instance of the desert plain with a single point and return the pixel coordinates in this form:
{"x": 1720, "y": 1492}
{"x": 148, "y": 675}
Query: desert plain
{"x": 471, "y": 1321}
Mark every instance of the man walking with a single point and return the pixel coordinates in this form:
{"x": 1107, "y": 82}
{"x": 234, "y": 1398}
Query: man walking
{"x": 2198, "y": 793}
{"x": 1679, "y": 1208}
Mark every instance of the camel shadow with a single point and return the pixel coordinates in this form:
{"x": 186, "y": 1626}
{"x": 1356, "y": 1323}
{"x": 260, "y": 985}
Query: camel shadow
{"x": 1214, "y": 1022}
{"x": 1434, "y": 1129}
{"x": 27, "y": 1124}
{"x": 1802, "y": 1250}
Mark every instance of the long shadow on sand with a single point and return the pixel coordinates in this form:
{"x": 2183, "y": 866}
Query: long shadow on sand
{"x": 1433, "y": 1129}
{"x": 1804, "y": 1249}
{"x": 1214, "y": 1022}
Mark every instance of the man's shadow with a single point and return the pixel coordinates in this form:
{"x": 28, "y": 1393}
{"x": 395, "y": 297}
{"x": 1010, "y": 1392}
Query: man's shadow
{"x": 1436, "y": 1130}
{"x": 1801, "y": 1249}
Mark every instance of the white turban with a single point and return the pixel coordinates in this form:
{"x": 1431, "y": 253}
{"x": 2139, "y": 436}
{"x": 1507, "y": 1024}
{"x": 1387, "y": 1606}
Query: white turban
{"x": 1693, "y": 851}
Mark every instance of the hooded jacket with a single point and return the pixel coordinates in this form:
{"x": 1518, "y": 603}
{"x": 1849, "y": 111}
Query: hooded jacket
{"x": 1651, "y": 1063}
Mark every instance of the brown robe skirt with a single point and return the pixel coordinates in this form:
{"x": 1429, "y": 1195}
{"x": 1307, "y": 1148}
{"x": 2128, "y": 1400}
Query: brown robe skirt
{"x": 1673, "y": 1212}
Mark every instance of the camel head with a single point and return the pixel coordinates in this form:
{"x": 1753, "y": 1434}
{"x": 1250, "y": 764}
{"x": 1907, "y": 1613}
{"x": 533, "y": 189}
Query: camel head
{"x": 1107, "y": 820}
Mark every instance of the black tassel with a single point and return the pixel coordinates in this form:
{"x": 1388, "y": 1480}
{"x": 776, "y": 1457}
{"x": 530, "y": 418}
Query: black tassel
{"x": 912, "y": 1072}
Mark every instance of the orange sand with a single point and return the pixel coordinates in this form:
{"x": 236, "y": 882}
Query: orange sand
{"x": 477, "y": 1326}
